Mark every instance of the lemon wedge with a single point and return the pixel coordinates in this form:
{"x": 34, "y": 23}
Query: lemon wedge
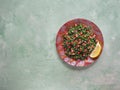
{"x": 96, "y": 52}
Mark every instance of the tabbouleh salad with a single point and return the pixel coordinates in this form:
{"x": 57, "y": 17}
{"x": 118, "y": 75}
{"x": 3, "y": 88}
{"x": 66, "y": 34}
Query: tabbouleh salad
{"x": 79, "y": 41}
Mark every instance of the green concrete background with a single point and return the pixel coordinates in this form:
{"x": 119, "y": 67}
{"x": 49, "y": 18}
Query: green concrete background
{"x": 28, "y": 58}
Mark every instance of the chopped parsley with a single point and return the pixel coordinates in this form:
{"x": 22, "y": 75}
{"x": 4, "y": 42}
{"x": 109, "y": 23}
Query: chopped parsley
{"x": 79, "y": 42}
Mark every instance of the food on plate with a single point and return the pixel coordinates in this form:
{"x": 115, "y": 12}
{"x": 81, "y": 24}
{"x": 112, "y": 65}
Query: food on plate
{"x": 80, "y": 41}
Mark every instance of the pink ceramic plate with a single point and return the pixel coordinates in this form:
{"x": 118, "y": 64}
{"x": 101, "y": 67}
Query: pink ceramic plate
{"x": 59, "y": 42}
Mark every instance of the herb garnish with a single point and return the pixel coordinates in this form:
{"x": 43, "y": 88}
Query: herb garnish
{"x": 79, "y": 42}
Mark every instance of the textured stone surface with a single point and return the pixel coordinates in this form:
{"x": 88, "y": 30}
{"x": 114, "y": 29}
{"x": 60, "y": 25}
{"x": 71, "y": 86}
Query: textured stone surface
{"x": 28, "y": 58}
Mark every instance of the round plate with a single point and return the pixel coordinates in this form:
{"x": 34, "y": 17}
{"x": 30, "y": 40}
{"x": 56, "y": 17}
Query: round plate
{"x": 59, "y": 42}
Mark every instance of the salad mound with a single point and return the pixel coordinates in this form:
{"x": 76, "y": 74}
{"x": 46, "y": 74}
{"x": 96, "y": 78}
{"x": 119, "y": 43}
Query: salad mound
{"x": 79, "y": 41}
